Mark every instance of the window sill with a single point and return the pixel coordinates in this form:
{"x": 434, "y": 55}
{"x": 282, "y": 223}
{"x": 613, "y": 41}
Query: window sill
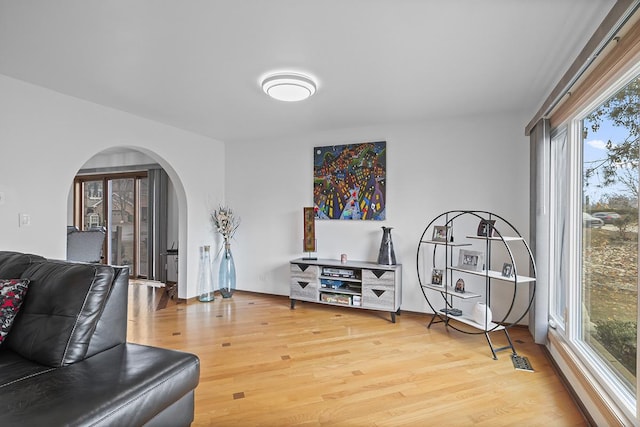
{"x": 600, "y": 406}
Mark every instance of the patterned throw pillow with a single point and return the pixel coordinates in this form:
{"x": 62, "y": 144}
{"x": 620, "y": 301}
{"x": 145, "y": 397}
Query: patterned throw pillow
{"x": 12, "y": 294}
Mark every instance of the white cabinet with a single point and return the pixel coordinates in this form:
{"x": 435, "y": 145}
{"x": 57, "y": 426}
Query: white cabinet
{"x": 470, "y": 257}
{"x": 355, "y": 284}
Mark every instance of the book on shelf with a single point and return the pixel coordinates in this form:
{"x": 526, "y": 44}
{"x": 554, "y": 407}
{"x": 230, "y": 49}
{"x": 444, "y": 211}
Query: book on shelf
{"x": 336, "y": 298}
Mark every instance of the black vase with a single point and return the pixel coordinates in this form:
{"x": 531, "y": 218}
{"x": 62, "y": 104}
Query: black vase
{"x": 386, "y": 256}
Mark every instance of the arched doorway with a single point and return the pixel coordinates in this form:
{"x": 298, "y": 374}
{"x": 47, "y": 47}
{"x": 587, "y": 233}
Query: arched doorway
{"x": 133, "y": 193}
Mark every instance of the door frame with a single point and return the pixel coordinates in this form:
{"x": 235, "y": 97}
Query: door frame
{"x": 78, "y": 209}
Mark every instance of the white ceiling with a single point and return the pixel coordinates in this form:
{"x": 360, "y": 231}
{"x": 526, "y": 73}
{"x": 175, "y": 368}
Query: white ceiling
{"x": 195, "y": 64}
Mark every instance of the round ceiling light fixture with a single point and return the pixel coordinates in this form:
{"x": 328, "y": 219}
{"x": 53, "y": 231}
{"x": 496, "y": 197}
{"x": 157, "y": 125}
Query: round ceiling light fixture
{"x": 289, "y": 86}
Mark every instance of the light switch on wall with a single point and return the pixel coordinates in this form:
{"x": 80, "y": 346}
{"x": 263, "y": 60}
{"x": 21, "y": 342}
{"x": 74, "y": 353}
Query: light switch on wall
{"x": 24, "y": 219}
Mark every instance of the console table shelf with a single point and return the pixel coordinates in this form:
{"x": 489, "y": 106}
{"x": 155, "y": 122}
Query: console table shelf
{"x": 354, "y": 284}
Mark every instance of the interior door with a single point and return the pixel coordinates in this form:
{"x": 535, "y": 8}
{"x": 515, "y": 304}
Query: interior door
{"x": 121, "y": 226}
{"x": 118, "y": 202}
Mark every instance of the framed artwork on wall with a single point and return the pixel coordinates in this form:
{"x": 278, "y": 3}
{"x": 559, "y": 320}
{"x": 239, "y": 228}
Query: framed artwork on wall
{"x": 309, "y": 230}
{"x": 349, "y": 181}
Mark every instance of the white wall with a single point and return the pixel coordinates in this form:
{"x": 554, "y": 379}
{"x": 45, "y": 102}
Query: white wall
{"x": 108, "y": 159}
{"x": 459, "y": 163}
{"x": 477, "y": 163}
{"x": 45, "y": 137}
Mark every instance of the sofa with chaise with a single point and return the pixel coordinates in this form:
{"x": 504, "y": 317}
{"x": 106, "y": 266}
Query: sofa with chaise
{"x": 64, "y": 360}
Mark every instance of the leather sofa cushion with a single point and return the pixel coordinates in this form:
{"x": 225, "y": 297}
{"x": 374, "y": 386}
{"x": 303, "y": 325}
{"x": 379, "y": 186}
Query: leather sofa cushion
{"x": 13, "y": 264}
{"x": 15, "y": 368}
{"x": 61, "y": 311}
{"x": 127, "y": 385}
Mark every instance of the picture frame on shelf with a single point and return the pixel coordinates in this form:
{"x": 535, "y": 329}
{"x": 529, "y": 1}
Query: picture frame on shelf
{"x": 486, "y": 228}
{"x": 470, "y": 260}
{"x": 440, "y": 233}
{"x": 459, "y": 286}
{"x": 436, "y": 277}
{"x": 507, "y": 270}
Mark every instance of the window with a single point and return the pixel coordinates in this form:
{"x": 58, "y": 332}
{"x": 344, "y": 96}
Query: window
{"x": 609, "y": 288}
{"x": 594, "y": 160}
{"x": 559, "y": 232}
{"x": 585, "y": 173}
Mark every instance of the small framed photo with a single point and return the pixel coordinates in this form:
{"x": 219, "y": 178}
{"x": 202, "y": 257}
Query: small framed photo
{"x": 436, "y": 277}
{"x": 470, "y": 260}
{"x": 507, "y": 270}
{"x": 486, "y": 228}
{"x": 459, "y": 286}
{"x": 440, "y": 233}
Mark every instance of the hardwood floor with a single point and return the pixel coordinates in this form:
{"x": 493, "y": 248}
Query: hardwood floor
{"x": 263, "y": 364}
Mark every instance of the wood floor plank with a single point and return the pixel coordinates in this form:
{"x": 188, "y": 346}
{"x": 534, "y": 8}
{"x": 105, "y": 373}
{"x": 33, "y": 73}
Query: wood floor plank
{"x": 263, "y": 364}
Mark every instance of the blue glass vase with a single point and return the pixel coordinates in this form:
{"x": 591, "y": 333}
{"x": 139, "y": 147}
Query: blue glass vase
{"x": 227, "y": 273}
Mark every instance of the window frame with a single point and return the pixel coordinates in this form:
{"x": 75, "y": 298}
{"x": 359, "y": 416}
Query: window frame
{"x": 107, "y": 179}
{"x": 557, "y": 313}
{"x": 626, "y": 400}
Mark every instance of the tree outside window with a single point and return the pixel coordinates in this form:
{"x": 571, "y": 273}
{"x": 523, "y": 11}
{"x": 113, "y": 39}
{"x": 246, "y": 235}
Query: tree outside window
{"x": 609, "y": 288}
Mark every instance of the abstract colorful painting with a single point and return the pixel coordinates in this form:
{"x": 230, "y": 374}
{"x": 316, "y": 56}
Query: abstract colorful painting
{"x": 349, "y": 181}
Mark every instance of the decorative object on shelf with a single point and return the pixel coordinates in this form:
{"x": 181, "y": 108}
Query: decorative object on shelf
{"x": 481, "y": 314}
{"x": 470, "y": 260}
{"x": 440, "y": 233}
{"x": 507, "y": 269}
{"x": 226, "y": 223}
{"x": 309, "y": 232}
{"x": 206, "y": 287}
{"x": 452, "y": 311}
{"x": 486, "y": 228}
{"x": 227, "y": 273}
{"x": 355, "y": 174}
{"x": 436, "y": 277}
{"x": 459, "y": 286}
{"x": 386, "y": 255}
{"x": 343, "y": 258}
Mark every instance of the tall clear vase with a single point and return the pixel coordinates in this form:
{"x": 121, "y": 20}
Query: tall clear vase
{"x": 227, "y": 273}
{"x": 205, "y": 277}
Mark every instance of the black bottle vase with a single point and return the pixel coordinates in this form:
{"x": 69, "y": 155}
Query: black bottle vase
{"x": 386, "y": 256}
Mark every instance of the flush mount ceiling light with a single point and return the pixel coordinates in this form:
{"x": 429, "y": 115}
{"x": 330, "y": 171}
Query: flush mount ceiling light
{"x": 289, "y": 86}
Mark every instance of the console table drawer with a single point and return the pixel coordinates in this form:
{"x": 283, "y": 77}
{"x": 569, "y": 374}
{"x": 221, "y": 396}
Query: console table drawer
{"x": 305, "y": 271}
{"x": 378, "y": 296}
{"x": 304, "y": 289}
{"x": 378, "y": 277}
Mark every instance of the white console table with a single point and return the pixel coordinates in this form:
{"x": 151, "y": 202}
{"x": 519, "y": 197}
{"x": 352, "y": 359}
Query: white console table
{"x": 354, "y": 284}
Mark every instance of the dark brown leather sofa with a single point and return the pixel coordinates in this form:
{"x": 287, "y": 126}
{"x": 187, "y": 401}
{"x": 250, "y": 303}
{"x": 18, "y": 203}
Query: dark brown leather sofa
{"x": 66, "y": 362}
